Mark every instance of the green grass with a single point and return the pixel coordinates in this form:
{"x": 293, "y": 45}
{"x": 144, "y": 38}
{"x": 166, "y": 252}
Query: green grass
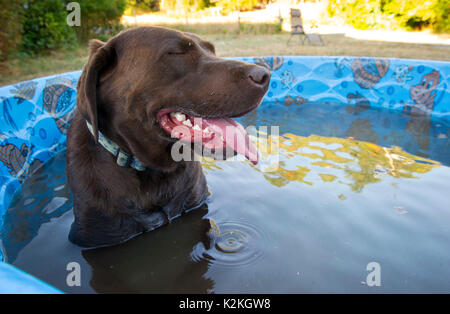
{"x": 230, "y": 29}
{"x": 335, "y": 45}
{"x": 22, "y": 68}
{"x": 251, "y": 40}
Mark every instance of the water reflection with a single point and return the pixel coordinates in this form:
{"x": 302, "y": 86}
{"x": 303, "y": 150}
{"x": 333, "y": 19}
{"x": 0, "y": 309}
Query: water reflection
{"x": 155, "y": 262}
{"x": 355, "y": 163}
{"x": 416, "y": 134}
{"x": 44, "y": 196}
{"x": 314, "y": 159}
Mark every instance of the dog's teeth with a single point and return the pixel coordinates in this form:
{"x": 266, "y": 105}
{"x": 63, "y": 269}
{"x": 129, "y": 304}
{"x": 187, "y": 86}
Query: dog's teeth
{"x": 188, "y": 123}
{"x": 196, "y": 127}
{"x": 179, "y": 116}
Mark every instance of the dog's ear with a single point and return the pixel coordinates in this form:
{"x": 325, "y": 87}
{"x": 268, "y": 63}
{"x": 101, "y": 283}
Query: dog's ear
{"x": 101, "y": 55}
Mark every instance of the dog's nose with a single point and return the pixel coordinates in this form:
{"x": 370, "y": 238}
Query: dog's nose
{"x": 259, "y": 76}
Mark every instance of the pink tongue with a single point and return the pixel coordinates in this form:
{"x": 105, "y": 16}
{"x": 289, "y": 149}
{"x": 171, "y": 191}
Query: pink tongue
{"x": 234, "y": 136}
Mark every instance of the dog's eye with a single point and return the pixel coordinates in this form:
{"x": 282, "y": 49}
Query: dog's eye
{"x": 182, "y": 50}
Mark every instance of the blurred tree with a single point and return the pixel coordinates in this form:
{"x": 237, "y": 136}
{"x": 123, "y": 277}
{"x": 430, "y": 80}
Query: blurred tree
{"x": 100, "y": 18}
{"x": 10, "y": 26}
{"x": 45, "y": 26}
{"x": 184, "y": 5}
{"x": 358, "y": 13}
{"x": 442, "y": 16}
{"x": 410, "y": 14}
{"x": 144, "y": 5}
{"x": 37, "y": 26}
{"x": 235, "y": 5}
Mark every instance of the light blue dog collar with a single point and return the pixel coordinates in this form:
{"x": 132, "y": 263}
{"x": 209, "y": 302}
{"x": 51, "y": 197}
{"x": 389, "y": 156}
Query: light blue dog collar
{"x": 123, "y": 159}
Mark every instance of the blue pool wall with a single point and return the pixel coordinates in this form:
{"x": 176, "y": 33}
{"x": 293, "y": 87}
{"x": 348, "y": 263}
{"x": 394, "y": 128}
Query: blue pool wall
{"x": 35, "y": 115}
{"x": 13, "y": 280}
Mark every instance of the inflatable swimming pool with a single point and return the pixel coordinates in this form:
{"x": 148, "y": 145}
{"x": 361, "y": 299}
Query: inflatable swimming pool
{"x": 35, "y": 114}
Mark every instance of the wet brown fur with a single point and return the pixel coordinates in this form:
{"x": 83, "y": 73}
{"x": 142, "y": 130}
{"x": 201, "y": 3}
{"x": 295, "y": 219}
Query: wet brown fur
{"x": 125, "y": 82}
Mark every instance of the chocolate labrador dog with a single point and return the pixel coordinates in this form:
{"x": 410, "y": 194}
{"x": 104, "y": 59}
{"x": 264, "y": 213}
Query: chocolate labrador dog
{"x": 136, "y": 92}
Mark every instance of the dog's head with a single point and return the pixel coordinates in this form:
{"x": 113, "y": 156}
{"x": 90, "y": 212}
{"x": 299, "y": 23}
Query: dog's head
{"x": 150, "y": 86}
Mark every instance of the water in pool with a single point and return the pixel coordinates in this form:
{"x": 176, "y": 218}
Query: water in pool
{"x": 353, "y": 186}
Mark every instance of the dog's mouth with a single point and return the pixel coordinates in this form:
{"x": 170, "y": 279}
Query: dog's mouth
{"x": 213, "y": 133}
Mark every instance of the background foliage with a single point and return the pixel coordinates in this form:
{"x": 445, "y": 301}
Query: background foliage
{"x": 38, "y": 26}
{"x": 441, "y": 10}
{"x": 143, "y": 5}
{"x": 99, "y": 18}
{"x": 233, "y": 5}
{"x": 31, "y": 27}
{"x": 185, "y": 5}
{"x": 409, "y": 14}
{"x": 44, "y": 26}
{"x": 10, "y": 26}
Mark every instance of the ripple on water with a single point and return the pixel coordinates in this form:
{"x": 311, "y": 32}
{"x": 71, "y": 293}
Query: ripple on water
{"x": 233, "y": 244}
